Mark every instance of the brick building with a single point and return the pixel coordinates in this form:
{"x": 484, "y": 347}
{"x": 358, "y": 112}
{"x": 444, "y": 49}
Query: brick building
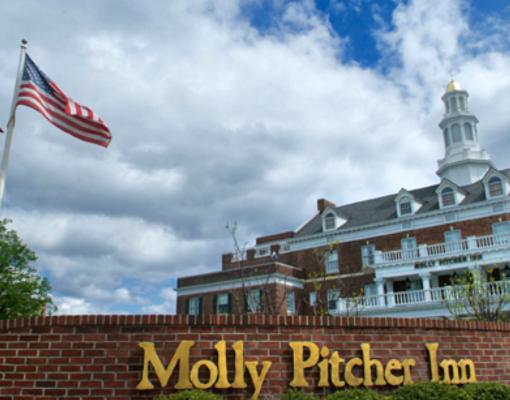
{"x": 395, "y": 255}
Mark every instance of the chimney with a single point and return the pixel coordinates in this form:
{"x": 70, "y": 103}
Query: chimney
{"x": 322, "y": 204}
{"x": 226, "y": 259}
{"x": 250, "y": 254}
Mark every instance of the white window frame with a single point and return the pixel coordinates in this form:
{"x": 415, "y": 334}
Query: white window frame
{"x": 333, "y": 295}
{"x": 194, "y": 305}
{"x": 329, "y": 221}
{"x": 451, "y": 197}
{"x": 408, "y": 209}
{"x": 312, "y": 298}
{"x": 254, "y": 300}
{"x": 368, "y": 255}
{"x": 291, "y": 303}
{"x": 222, "y": 301}
{"x": 409, "y": 251}
{"x": 495, "y": 186}
{"x": 331, "y": 262}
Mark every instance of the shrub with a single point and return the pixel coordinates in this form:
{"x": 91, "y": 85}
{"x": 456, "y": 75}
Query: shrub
{"x": 488, "y": 391}
{"x": 296, "y": 394}
{"x": 430, "y": 391}
{"x": 356, "y": 394}
{"x": 190, "y": 395}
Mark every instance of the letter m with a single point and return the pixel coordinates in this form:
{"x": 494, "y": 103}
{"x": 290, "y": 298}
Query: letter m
{"x": 181, "y": 356}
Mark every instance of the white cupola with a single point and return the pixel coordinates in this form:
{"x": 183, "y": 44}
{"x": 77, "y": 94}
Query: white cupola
{"x": 465, "y": 162}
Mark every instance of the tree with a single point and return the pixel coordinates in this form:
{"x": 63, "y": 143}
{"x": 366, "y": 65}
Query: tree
{"x": 477, "y": 295}
{"x": 265, "y": 298}
{"x": 23, "y": 292}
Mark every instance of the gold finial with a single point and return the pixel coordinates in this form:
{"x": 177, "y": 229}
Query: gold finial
{"x": 453, "y": 85}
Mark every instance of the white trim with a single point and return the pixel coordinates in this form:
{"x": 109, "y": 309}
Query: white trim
{"x": 260, "y": 280}
{"x": 420, "y": 221}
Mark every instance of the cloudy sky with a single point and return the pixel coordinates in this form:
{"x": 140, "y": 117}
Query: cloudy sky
{"x": 229, "y": 110}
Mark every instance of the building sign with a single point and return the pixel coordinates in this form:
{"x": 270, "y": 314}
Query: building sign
{"x": 333, "y": 369}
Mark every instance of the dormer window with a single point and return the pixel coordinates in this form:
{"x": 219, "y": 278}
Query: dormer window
{"x": 448, "y": 197}
{"x": 495, "y": 187}
{"x": 405, "y": 206}
{"x": 329, "y": 221}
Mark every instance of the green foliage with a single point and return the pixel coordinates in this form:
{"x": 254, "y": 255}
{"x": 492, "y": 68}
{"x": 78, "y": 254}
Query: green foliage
{"x": 488, "y": 391}
{"x": 23, "y": 292}
{"x": 430, "y": 391}
{"x": 296, "y": 394}
{"x": 194, "y": 394}
{"x": 356, "y": 394}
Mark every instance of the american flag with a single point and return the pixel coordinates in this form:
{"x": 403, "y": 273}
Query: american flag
{"x": 43, "y": 95}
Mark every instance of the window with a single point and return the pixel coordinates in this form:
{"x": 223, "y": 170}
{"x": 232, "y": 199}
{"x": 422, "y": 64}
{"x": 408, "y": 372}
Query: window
{"x": 330, "y": 221}
{"x": 447, "y": 107}
{"x": 223, "y": 302}
{"x": 454, "y": 104}
{"x": 447, "y": 197}
{"x": 253, "y": 301}
{"x": 409, "y": 249}
{"x": 405, "y": 206}
{"x": 312, "y": 298}
{"x": 456, "y": 135}
{"x": 368, "y": 255}
{"x": 501, "y": 228}
{"x": 446, "y": 137}
{"x": 452, "y": 240}
{"x": 468, "y": 131}
{"x": 333, "y": 296}
{"x": 332, "y": 262}
{"x": 462, "y": 104}
{"x": 495, "y": 187}
{"x": 291, "y": 303}
{"x": 195, "y": 306}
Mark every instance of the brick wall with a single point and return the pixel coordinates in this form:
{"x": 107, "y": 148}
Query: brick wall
{"x": 97, "y": 357}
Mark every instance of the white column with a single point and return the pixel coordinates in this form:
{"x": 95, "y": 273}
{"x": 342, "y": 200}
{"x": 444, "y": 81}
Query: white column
{"x": 389, "y": 293}
{"x": 380, "y": 292}
{"x": 425, "y": 280}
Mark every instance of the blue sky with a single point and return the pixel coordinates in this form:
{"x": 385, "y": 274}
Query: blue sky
{"x": 230, "y": 110}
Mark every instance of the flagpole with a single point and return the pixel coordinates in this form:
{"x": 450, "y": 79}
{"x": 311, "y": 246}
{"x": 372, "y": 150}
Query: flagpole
{"x": 10, "y": 124}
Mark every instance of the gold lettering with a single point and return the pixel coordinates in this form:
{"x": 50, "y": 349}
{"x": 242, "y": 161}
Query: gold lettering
{"x": 324, "y": 368}
{"x": 465, "y": 366}
{"x": 335, "y": 362}
{"x": 407, "y": 364}
{"x": 181, "y": 356}
{"x": 195, "y": 374}
{"x": 450, "y": 371}
{"x": 432, "y": 349}
{"x": 258, "y": 380}
{"x": 367, "y": 366}
{"x": 239, "y": 382}
{"x": 300, "y": 364}
{"x": 221, "y": 348}
{"x": 393, "y": 365}
{"x": 350, "y": 378}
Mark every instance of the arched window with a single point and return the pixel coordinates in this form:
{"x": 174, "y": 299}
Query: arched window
{"x": 447, "y": 104}
{"x": 446, "y": 137}
{"x": 495, "y": 187}
{"x": 469, "y": 131}
{"x": 456, "y": 135}
{"x": 454, "y": 104}
{"x": 447, "y": 197}
{"x": 329, "y": 221}
{"x": 405, "y": 206}
{"x": 462, "y": 104}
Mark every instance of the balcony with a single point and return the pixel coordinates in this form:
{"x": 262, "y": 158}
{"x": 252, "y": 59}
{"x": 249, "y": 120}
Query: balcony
{"x": 430, "y": 252}
{"x": 417, "y": 303}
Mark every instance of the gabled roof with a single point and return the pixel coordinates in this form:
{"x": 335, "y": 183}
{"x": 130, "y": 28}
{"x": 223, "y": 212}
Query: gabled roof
{"x": 382, "y": 209}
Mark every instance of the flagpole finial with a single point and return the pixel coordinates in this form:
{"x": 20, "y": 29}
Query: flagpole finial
{"x": 24, "y": 43}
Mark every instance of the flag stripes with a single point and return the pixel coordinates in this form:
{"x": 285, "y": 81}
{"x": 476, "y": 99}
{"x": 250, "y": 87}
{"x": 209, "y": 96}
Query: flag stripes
{"x": 38, "y": 92}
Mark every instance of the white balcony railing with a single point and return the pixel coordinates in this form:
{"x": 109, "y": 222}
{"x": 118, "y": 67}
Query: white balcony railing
{"x": 437, "y": 295}
{"x": 430, "y": 251}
